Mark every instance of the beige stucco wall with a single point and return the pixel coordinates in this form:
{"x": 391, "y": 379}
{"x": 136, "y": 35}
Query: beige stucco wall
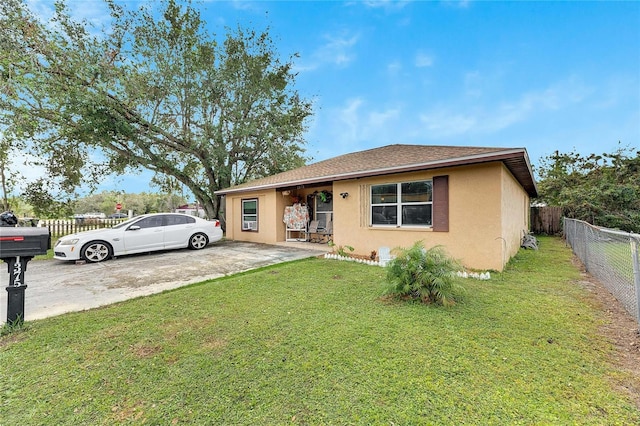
{"x": 474, "y": 216}
{"x": 488, "y": 210}
{"x": 515, "y": 214}
{"x": 269, "y": 204}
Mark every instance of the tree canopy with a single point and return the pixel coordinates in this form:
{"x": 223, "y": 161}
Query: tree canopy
{"x": 603, "y": 190}
{"x": 105, "y": 202}
{"x": 154, "y": 90}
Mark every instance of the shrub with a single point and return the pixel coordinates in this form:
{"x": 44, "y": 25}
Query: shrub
{"x": 341, "y": 250}
{"x": 420, "y": 274}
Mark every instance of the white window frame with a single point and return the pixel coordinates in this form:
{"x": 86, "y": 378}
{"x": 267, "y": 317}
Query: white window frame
{"x": 399, "y": 204}
{"x": 249, "y": 225}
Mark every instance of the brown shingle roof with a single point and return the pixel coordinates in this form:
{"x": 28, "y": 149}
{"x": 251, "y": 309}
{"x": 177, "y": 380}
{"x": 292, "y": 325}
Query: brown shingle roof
{"x": 395, "y": 159}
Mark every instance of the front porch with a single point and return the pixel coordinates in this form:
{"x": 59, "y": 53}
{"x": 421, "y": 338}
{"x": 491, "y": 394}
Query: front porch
{"x": 308, "y": 214}
{"x": 306, "y": 245}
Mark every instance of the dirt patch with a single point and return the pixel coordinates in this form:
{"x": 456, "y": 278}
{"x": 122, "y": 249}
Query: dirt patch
{"x": 145, "y": 351}
{"x": 11, "y": 338}
{"x": 621, "y": 330}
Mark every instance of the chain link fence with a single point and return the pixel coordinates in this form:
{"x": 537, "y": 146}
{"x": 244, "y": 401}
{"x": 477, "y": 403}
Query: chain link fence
{"x": 611, "y": 257}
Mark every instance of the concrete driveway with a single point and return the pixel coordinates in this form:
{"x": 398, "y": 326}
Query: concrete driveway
{"x": 55, "y": 287}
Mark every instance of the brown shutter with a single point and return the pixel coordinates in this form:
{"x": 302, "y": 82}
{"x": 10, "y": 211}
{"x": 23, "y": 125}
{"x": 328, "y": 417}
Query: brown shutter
{"x": 441, "y": 203}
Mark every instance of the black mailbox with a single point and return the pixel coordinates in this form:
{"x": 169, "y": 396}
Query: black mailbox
{"x": 17, "y": 248}
{"x": 23, "y": 242}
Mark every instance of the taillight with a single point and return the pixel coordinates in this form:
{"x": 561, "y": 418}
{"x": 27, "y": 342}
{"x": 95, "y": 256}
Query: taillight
{"x": 216, "y": 222}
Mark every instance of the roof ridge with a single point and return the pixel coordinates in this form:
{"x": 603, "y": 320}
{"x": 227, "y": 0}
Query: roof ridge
{"x": 393, "y": 158}
{"x": 369, "y": 150}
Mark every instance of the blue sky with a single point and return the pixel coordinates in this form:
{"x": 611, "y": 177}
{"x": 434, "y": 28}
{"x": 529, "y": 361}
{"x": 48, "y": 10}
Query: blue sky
{"x": 545, "y": 76}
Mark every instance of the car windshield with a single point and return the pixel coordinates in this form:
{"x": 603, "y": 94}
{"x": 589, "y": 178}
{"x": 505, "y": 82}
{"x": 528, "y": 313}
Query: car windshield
{"x": 126, "y": 223}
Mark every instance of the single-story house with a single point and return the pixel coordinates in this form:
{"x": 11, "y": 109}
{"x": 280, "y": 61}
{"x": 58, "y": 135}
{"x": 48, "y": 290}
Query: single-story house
{"x": 474, "y": 201}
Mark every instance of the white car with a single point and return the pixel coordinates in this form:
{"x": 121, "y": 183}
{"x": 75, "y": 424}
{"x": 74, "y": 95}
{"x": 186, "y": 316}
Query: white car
{"x": 145, "y": 233}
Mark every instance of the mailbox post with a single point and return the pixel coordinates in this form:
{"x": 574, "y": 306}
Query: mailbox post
{"x": 18, "y": 245}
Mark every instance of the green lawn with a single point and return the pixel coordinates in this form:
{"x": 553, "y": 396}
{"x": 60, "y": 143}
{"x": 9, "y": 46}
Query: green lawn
{"x": 312, "y": 342}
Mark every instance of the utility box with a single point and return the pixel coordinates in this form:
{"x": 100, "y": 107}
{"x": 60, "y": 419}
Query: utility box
{"x": 23, "y": 242}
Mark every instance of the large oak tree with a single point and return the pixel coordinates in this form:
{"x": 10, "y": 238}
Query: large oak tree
{"x": 153, "y": 90}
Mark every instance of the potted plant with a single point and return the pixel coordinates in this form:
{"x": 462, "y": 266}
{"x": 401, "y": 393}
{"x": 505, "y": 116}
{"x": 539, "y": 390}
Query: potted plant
{"x": 324, "y": 196}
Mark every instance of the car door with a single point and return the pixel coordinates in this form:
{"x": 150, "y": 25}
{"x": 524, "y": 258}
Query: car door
{"x": 147, "y": 234}
{"x": 178, "y": 228}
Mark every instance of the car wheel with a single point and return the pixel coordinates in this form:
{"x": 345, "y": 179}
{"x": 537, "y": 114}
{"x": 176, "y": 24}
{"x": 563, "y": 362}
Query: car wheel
{"x": 96, "y": 251}
{"x": 198, "y": 241}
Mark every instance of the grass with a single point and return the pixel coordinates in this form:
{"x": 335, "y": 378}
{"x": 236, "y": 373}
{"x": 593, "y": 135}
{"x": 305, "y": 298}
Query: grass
{"x": 47, "y": 256}
{"x": 312, "y": 342}
{"x": 617, "y": 256}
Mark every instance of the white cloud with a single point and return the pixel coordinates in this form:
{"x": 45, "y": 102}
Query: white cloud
{"x": 338, "y": 50}
{"x": 301, "y": 66}
{"x": 349, "y": 118}
{"x": 394, "y": 67}
{"x": 95, "y": 14}
{"x": 473, "y": 84}
{"x": 385, "y": 4}
{"x": 456, "y": 120}
{"x": 23, "y": 164}
{"x": 443, "y": 122}
{"x": 42, "y": 9}
{"x": 245, "y": 5}
{"x": 355, "y": 122}
{"x": 423, "y": 60}
{"x": 377, "y": 120}
{"x": 616, "y": 91}
{"x": 458, "y": 4}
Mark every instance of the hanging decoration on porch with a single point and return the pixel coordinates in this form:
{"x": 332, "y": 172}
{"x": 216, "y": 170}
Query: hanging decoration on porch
{"x": 296, "y": 218}
{"x": 324, "y": 196}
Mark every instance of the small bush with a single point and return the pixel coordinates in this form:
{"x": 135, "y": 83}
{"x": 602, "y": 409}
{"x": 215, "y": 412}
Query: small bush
{"x": 425, "y": 275}
{"x": 341, "y": 250}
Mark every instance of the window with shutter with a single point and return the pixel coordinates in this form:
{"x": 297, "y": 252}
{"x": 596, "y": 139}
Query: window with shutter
{"x": 410, "y": 204}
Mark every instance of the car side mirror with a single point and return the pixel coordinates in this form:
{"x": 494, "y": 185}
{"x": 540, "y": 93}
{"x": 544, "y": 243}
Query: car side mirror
{"x": 133, "y": 228}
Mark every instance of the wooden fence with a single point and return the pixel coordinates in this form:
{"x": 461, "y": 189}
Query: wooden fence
{"x": 62, "y": 227}
{"x": 546, "y": 220}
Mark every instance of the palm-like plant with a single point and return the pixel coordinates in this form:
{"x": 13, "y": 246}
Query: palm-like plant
{"x": 421, "y": 274}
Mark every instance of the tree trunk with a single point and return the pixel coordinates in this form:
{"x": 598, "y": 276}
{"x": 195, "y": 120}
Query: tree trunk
{"x": 5, "y": 199}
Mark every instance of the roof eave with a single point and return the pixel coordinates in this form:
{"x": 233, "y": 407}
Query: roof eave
{"x": 525, "y": 180}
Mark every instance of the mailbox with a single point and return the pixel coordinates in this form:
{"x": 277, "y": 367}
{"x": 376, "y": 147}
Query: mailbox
{"x": 17, "y": 248}
{"x": 23, "y": 242}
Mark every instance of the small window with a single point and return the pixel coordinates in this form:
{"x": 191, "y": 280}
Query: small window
{"x": 250, "y": 215}
{"x": 402, "y": 204}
